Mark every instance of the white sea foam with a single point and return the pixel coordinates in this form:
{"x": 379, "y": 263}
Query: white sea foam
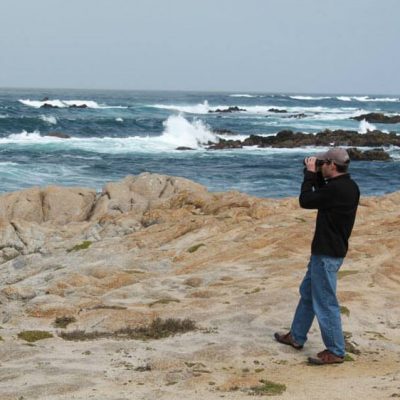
{"x": 180, "y": 132}
{"x": 119, "y": 119}
{"x": 367, "y": 98}
{"x": 201, "y": 108}
{"x": 309, "y": 97}
{"x": 66, "y": 103}
{"x": 205, "y": 108}
{"x": 365, "y": 127}
{"x": 243, "y": 95}
{"x": 49, "y": 119}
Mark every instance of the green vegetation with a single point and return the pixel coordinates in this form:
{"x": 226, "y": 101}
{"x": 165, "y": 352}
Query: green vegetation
{"x": 158, "y": 329}
{"x": 82, "y": 246}
{"x": 345, "y": 311}
{"x": 348, "y": 357}
{"x": 256, "y": 290}
{"x": 164, "y": 301}
{"x": 63, "y": 322}
{"x": 33, "y": 336}
{"x": 195, "y": 247}
{"x": 1, "y": 339}
{"x": 268, "y": 388}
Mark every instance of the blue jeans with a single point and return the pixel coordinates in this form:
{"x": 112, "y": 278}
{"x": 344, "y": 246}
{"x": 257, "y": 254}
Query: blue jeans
{"x": 318, "y": 298}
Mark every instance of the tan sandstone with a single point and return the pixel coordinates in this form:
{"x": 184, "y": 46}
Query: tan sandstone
{"x": 154, "y": 246}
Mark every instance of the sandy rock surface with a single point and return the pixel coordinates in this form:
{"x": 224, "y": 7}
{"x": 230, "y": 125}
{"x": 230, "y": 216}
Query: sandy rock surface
{"x": 155, "y": 246}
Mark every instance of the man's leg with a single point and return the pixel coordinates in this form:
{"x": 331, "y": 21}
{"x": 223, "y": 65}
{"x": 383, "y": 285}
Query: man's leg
{"x": 304, "y": 315}
{"x": 324, "y": 277}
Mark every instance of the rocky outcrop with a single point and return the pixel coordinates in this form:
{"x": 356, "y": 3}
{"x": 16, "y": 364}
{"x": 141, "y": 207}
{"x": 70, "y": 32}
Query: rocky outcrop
{"x": 368, "y": 155}
{"x": 229, "y": 262}
{"x": 228, "y": 110}
{"x": 378, "y": 118}
{"x": 39, "y": 220}
{"x": 290, "y": 139}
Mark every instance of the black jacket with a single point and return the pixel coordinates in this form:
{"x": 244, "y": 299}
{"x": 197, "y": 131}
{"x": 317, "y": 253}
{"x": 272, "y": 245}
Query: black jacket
{"x": 336, "y": 201}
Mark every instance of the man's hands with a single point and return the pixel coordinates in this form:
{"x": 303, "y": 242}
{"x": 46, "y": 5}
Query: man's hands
{"x": 311, "y": 164}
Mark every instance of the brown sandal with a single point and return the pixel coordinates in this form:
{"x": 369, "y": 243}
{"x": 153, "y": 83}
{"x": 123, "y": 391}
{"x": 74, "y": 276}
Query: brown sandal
{"x": 287, "y": 339}
{"x": 325, "y": 357}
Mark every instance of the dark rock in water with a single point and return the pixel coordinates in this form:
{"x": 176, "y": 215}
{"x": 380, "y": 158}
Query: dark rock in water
{"x": 184, "y": 148}
{"x": 58, "y": 134}
{"x": 48, "y": 105}
{"x": 228, "y": 110}
{"x": 277, "y": 110}
{"x": 224, "y": 132}
{"x": 302, "y": 115}
{"x": 80, "y": 106}
{"x": 45, "y": 99}
{"x": 225, "y": 144}
{"x": 368, "y": 155}
{"x": 290, "y": 139}
{"x": 379, "y": 118}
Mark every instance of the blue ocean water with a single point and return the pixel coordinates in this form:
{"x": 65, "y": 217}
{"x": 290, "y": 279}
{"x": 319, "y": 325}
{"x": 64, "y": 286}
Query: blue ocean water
{"x": 129, "y": 132}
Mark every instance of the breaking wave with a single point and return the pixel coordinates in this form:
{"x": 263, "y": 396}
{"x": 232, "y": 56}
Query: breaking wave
{"x": 66, "y": 103}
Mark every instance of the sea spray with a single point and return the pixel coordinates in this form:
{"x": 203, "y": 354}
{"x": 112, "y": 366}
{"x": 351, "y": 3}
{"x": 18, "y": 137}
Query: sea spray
{"x": 180, "y": 132}
{"x": 365, "y": 127}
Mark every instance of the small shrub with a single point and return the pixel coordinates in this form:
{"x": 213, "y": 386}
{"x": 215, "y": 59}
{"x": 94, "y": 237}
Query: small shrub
{"x": 33, "y": 336}
{"x": 82, "y": 246}
{"x": 63, "y": 322}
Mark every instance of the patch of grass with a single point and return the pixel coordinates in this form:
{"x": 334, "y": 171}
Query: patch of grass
{"x": 345, "y": 311}
{"x": 164, "y": 301}
{"x": 342, "y": 274}
{"x": 256, "y": 290}
{"x": 33, "y": 336}
{"x": 1, "y": 339}
{"x": 258, "y": 370}
{"x": 63, "y": 322}
{"x": 348, "y": 357}
{"x": 82, "y": 246}
{"x": 158, "y": 329}
{"x": 195, "y": 247}
{"x": 268, "y": 388}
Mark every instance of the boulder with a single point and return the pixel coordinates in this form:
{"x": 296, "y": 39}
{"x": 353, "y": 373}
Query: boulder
{"x": 378, "y": 118}
{"x": 228, "y": 110}
{"x": 58, "y": 135}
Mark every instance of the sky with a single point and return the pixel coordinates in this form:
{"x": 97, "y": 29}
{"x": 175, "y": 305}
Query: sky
{"x": 284, "y": 46}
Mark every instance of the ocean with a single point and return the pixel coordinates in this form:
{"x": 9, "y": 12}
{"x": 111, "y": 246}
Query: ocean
{"x": 117, "y": 133}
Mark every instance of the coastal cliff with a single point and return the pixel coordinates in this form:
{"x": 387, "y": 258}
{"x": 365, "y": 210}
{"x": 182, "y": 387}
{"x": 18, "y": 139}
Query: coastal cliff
{"x": 88, "y": 271}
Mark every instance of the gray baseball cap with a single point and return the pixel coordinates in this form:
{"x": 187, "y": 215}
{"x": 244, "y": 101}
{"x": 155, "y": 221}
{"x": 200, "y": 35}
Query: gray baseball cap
{"x": 336, "y": 154}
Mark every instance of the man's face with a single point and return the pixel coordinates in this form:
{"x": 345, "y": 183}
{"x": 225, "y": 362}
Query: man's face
{"x": 328, "y": 169}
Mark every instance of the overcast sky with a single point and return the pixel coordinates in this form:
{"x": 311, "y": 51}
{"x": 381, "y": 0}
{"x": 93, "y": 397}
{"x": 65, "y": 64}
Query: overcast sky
{"x": 296, "y": 46}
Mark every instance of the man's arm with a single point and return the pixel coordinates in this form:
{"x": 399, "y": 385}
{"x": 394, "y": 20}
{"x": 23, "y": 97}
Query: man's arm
{"x": 314, "y": 192}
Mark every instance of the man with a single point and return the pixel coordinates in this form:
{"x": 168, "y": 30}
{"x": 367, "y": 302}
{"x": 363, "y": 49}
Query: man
{"x": 328, "y": 188}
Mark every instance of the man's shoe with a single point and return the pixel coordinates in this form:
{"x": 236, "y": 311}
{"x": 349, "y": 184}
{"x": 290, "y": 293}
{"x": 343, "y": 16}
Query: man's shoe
{"x": 325, "y": 357}
{"x": 287, "y": 339}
